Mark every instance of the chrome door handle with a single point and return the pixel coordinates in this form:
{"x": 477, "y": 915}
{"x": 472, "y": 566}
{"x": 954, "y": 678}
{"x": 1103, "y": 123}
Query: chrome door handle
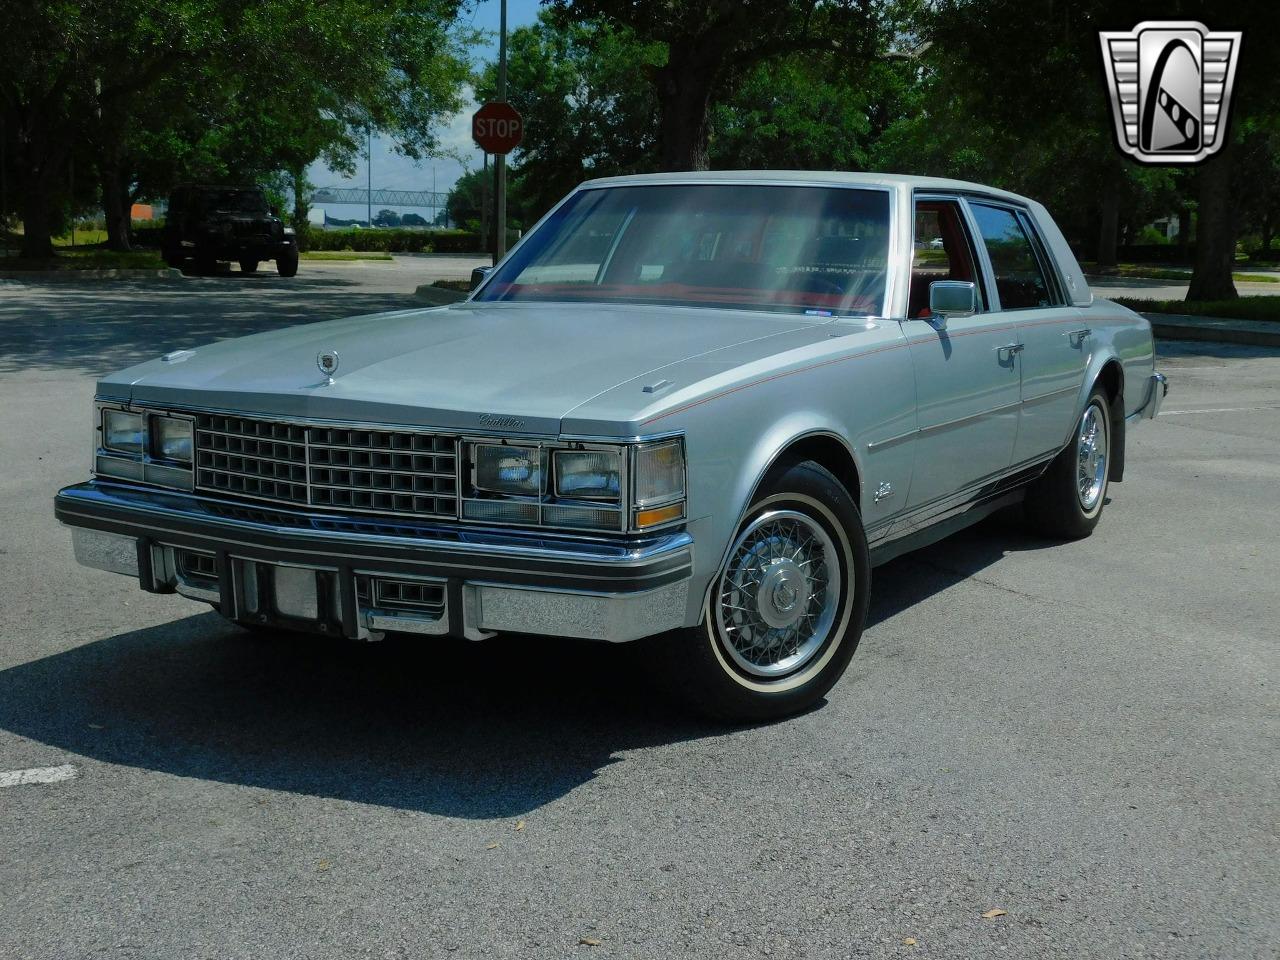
{"x": 1078, "y": 337}
{"x": 1009, "y": 350}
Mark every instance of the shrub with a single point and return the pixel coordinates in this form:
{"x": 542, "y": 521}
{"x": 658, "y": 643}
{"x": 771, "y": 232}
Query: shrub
{"x": 396, "y": 240}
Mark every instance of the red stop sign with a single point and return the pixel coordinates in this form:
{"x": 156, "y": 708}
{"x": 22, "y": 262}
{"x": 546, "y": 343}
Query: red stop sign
{"x": 497, "y": 127}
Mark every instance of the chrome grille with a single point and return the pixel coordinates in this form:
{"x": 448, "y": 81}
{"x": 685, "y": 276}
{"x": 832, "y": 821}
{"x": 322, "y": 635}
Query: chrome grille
{"x": 372, "y": 471}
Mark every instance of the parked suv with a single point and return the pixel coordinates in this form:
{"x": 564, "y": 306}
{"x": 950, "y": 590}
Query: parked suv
{"x": 209, "y": 223}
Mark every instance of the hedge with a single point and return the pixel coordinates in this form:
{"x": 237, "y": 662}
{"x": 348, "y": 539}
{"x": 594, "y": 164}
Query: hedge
{"x": 396, "y": 241}
{"x": 381, "y": 240}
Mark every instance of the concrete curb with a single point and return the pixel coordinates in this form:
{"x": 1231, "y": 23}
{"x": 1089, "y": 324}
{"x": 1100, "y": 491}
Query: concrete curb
{"x": 70, "y": 276}
{"x": 438, "y": 296}
{"x": 1257, "y": 333}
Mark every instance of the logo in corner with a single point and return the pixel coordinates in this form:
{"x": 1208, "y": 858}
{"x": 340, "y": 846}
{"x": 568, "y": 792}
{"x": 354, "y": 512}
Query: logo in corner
{"x": 327, "y": 361}
{"x": 1170, "y": 85}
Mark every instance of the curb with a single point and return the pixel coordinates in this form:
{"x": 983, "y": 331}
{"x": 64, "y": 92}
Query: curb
{"x": 70, "y": 276}
{"x": 438, "y": 296}
{"x": 1251, "y": 332}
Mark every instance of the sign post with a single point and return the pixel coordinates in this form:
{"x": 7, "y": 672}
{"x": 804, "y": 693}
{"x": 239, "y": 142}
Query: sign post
{"x": 497, "y": 128}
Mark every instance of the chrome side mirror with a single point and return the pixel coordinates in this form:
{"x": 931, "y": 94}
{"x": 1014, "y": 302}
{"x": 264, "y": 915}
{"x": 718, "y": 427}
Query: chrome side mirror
{"x": 479, "y": 275}
{"x": 951, "y": 298}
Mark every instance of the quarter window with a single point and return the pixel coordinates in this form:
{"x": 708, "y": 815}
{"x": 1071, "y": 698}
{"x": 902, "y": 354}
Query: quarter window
{"x": 1020, "y": 276}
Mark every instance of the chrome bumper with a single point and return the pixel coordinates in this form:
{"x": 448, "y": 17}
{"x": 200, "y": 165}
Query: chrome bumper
{"x": 1157, "y": 390}
{"x": 325, "y": 573}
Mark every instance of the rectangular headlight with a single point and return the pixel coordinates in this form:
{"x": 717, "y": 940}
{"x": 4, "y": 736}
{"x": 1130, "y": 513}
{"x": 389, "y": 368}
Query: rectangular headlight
{"x": 588, "y": 474}
{"x": 659, "y": 473}
{"x": 122, "y": 432}
{"x": 510, "y": 470}
{"x": 171, "y": 438}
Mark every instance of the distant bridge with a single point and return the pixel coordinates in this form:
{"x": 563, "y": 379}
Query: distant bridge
{"x": 389, "y": 198}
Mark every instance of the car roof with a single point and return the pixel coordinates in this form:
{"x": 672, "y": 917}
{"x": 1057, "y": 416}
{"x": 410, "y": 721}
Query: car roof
{"x": 810, "y": 177}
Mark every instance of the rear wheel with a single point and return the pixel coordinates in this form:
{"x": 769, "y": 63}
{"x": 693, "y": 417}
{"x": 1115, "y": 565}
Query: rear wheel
{"x": 287, "y": 263}
{"x": 248, "y": 266}
{"x": 1067, "y": 500}
{"x": 787, "y": 607}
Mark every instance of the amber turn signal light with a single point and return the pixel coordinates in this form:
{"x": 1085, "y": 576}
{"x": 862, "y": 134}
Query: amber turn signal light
{"x": 650, "y": 518}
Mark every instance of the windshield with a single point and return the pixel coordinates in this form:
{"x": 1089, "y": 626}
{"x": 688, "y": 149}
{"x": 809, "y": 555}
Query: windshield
{"x": 820, "y": 250}
{"x": 234, "y": 201}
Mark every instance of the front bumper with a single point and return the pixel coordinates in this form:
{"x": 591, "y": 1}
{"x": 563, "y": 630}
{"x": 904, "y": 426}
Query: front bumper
{"x": 325, "y": 573}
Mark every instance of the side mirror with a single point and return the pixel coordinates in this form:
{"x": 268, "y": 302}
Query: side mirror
{"x": 952, "y": 298}
{"x": 479, "y": 275}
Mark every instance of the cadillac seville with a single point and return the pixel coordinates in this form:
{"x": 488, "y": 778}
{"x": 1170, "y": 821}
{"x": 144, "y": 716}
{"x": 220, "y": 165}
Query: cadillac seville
{"x": 693, "y": 408}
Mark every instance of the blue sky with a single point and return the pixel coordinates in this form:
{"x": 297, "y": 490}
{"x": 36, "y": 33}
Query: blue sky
{"x": 391, "y": 171}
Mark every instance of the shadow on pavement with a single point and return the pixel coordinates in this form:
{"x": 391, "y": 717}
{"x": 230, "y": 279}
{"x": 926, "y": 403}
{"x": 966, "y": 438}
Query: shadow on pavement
{"x": 478, "y": 731}
{"x": 104, "y": 326}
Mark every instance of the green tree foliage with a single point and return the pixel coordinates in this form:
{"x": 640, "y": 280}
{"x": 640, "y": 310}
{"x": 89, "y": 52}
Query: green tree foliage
{"x": 161, "y": 90}
{"x": 710, "y": 44}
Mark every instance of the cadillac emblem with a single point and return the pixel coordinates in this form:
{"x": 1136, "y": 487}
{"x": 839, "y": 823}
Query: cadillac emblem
{"x": 1170, "y": 89}
{"x": 327, "y": 361}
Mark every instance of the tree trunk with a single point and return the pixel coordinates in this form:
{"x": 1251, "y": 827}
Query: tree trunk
{"x": 1215, "y": 232}
{"x": 1109, "y": 229}
{"x": 116, "y": 207}
{"x": 1268, "y": 232}
{"x": 301, "y": 207}
{"x": 684, "y": 93}
{"x": 37, "y": 236}
{"x": 1184, "y": 234}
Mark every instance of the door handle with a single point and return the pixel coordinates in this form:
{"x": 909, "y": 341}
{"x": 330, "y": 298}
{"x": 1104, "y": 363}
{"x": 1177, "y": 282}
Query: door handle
{"x": 1009, "y": 351}
{"x": 1077, "y": 337}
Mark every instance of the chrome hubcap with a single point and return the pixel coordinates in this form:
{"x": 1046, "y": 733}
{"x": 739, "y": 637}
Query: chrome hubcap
{"x": 778, "y": 594}
{"x": 1091, "y": 457}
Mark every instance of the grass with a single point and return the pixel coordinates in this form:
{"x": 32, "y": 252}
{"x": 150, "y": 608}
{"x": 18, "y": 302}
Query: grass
{"x": 84, "y": 238}
{"x": 1146, "y": 272}
{"x": 89, "y": 258}
{"x": 1242, "y": 308}
{"x": 345, "y": 255}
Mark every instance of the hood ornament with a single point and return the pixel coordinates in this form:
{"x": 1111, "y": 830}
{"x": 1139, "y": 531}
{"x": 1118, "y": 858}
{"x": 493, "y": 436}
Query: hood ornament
{"x": 327, "y": 361}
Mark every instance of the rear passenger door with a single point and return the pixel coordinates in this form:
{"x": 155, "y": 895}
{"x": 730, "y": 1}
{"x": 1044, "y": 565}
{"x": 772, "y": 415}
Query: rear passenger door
{"x": 1054, "y": 340}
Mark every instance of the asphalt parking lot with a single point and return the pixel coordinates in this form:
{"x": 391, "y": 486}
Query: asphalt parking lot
{"x": 1081, "y": 735}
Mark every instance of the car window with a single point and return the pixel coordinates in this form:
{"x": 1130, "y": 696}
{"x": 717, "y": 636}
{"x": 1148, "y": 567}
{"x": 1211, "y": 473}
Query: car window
{"x": 1019, "y": 275}
{"x": 942, "y": 251}
{"x": 818, "y": 249}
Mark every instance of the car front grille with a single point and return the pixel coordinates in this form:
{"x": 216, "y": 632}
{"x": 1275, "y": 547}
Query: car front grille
{"x": 339, "y": 468}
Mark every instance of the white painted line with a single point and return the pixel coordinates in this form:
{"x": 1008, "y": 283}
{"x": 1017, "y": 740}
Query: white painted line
{"x": 14, "y": 778}
{"x": 1183, "y": 413}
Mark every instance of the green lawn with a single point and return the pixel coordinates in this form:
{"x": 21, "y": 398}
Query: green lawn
{"x": 344, "y": 255}
{"x": 1149, "y": 272}
{"x": 91, "y": 258}
{"x": 1242, "y": 308}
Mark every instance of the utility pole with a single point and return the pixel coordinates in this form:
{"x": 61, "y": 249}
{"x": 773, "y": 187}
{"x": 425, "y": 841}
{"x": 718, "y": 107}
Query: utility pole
{"x": 368, "y": 212}
{"x": 500, "y": 163}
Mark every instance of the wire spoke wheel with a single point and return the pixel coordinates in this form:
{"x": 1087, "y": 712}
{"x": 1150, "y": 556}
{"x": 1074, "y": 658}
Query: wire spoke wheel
{"x": 1091, "y": 457}
{"x": 779, "y": 594}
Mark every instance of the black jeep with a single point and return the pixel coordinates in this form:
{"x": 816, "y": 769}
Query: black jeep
{"x": 206, "y": 224}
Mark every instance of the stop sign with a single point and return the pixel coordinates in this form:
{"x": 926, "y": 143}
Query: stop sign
{"x": 497, "y": 127}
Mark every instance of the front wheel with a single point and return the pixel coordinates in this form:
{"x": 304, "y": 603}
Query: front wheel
{"x": 1066, "y": 501}
{"x": 287, "y": 263}
{"x": 786, "y": 609}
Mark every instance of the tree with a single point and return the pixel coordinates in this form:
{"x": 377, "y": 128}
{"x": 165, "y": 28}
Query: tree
{"x": 163, "y": 89}
{"x": 709, "y": 43}
{"x": 386, "y": 218}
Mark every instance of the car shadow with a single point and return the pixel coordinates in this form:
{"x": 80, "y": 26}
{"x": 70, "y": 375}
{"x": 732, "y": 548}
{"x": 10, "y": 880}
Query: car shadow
{"x": 473, "y": 730}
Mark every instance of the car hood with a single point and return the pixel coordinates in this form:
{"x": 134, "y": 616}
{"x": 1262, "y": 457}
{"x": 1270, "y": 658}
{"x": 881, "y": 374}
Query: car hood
{"x": 515, "y": 367}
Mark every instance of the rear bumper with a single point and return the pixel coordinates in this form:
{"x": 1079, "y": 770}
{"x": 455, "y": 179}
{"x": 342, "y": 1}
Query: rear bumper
{"x": 1157, "y": 390}
{"x": 479, "y": 581}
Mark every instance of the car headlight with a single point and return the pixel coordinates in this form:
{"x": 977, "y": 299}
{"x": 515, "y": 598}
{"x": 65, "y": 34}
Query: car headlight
{"x": 123, "y": 432}
{"x": 171, "y": 439}
{"x": 588, "y": 474}
{"x": 509, "y": 470}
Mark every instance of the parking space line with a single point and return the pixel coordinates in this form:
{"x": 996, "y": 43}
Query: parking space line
{"x": 14, "y": 778}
